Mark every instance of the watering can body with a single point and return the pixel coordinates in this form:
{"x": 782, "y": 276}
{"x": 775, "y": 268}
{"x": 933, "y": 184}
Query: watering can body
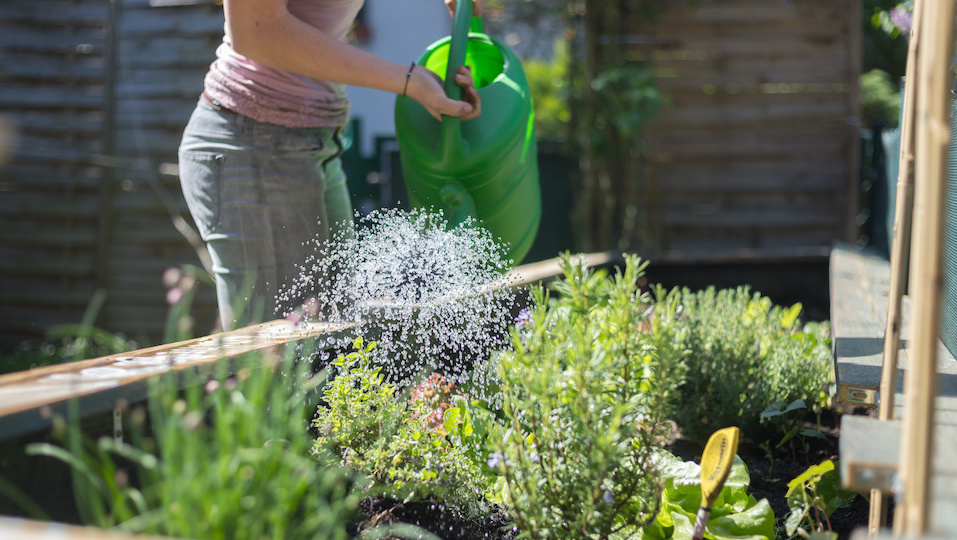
{"x": 485, "y": 168}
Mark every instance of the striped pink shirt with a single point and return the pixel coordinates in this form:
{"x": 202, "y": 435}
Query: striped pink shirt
{"x": 280, "y": 97}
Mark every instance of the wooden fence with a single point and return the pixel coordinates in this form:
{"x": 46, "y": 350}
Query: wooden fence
{"x": 759, "y": 147}
{"x": 757, "y": 151}
{"x": 100, "y": 92}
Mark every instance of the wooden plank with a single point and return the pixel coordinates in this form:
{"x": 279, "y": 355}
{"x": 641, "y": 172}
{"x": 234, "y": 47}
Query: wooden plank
{"x": 55, "y": 13}
{"x": 870, "y": 459}
{"x": 755, "y": 12}
{"x": 737, "y": 150}
{"x": 188, "y": 21}
{"x": 859, "y": 284}
{"x": 747, "y": 47}
{"x": 863, "y": 534}
{"x": 870, "y": 453}
{"x": 699, "y": 100}
{"x": 169, "y": 51}
{"x": 53, "y": 294}
{"x": 727, "y": 214}
{"x": 799, "y": 68}
{"x": 712, "y": 241}
{"x": 694, "y": 77}
{"x": 27, "y": 398}
{"x": 822, "y": 25}
{"x": 28, "y": 265}
{"x": 747, "y": 113}
{"x": 27, "y": 529}
{"x": 802, "y": 140}
{"x": 20, "y": 177}
{"x": 16, "y": 96}
{"x": 27, "y": 207}
{"x": 731, "y": 176}
{"x": 52, "y": 43}
{"x": 59, "y": 124}
{"x": 50, "y": 237}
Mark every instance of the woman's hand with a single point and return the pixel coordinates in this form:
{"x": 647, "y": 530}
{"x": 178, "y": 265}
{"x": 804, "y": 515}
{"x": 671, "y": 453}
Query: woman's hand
{"x": 478, "y": 7}
{"x": 426, "y": 88}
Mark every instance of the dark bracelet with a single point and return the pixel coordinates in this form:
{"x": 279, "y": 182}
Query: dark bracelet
{"x": 407, "y": 77}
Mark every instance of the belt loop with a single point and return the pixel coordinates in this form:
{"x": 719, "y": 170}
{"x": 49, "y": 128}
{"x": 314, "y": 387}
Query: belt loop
{"x": 340, "y": 148}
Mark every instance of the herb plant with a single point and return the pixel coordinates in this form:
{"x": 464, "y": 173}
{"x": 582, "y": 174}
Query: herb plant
{"x": 746, "y": 355}
{"x": 583, "y": 390}
{"x": 413, "y": 449}
{"x": 228, "y": 457}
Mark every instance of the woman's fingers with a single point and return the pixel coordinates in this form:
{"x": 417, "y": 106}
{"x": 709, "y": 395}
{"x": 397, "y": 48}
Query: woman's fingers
{"x": 470, "y": 94}
{"x": 479, "y": 6}
{"x": 426, "y": 88}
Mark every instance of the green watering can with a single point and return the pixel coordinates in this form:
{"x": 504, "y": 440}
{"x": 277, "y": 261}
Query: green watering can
{"x": 485, "y": 168}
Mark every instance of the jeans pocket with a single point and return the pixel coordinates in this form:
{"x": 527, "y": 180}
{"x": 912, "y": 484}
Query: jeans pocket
{"x": 200, "y": 174}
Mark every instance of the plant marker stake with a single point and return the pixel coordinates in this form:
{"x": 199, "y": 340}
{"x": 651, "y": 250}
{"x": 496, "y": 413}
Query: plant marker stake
{"x": 715, "y": 465}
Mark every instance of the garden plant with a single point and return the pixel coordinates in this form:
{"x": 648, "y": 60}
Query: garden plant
{"x": 570, "y": 437}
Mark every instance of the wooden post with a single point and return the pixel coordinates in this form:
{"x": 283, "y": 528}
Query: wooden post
{"x": 932, "y": 134}
{"x": 900, "y": 254}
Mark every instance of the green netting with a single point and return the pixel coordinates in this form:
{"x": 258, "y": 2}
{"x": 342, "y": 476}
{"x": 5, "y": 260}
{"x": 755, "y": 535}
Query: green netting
{"x": 948, "y": 327}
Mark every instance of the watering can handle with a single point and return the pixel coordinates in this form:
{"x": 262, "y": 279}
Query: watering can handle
{"x": 452, "y": 145}
{"x": 458, "y": 47}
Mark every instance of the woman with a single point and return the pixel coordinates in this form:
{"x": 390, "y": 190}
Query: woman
{"x": 259, "y": 159}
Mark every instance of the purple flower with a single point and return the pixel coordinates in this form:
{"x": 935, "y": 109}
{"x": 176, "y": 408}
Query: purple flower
{"x": 495, "y": 460}
{"x": 902, "y": 18}
{"x": 524, "y": 316}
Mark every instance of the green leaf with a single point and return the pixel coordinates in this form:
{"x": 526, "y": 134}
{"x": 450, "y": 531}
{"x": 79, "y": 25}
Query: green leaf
{"x": 810, "y": 432}
{"x": 775, "y": 409}
{"x": 753, "y": 523}
{"x": 794, "y": 520}
{"x": 810, "y": 474}
{"x": 790, "y": 435}
{"x": 829, "y": 489}
{"x": 790, "y": 316}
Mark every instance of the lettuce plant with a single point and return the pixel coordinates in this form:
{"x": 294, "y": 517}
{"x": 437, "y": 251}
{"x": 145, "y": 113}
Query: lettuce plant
{"x": 583, "y": 390}
{"x": 736, "y": 515}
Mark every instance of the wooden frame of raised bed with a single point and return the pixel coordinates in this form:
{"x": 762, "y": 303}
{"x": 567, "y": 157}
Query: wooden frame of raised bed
{"x": 908, "y": 451}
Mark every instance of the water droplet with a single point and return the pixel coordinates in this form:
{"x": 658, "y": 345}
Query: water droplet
{"x": 432, "y": 296}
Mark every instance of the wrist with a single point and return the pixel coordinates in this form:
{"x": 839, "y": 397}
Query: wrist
{"x": 408, "y": 77}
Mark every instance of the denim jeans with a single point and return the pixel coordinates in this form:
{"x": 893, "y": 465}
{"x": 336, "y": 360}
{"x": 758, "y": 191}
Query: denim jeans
{"x": 260, "y": 193}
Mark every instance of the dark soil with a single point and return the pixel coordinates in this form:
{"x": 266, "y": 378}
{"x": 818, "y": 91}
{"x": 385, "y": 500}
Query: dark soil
{"x": 770, "y": 468}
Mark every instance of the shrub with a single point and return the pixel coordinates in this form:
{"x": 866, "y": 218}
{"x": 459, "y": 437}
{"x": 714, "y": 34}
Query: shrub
{"x": 746, "y": 354}
{"x": 582, "y": 390}
{"x": 403, "y": 445}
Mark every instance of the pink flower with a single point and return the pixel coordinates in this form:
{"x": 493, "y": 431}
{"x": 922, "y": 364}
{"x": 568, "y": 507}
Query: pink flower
{"x": 436, "y": 395}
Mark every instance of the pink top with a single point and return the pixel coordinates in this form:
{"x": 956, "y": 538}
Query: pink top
{"x": 280, "y": 97}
